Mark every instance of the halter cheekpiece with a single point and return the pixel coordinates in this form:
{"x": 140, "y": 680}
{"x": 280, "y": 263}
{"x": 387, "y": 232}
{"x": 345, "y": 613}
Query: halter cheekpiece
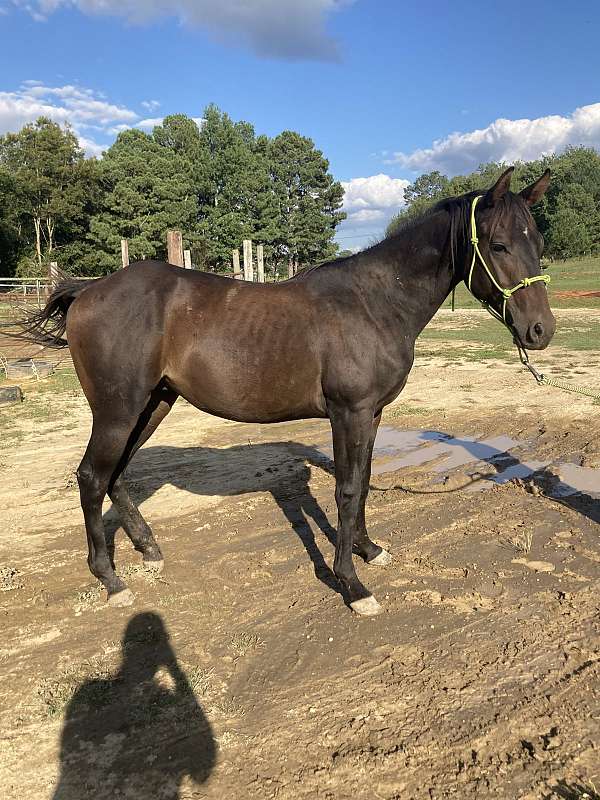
{"x": 506, "y": 293}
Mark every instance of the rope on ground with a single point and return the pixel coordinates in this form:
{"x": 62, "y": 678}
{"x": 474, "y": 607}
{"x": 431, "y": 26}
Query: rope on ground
{"x": 542, "y": 380}
{"x": 569, "y": 387}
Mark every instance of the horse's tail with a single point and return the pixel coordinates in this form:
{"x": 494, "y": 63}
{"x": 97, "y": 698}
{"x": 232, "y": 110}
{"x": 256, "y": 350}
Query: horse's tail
{"x": 47, "y": 326}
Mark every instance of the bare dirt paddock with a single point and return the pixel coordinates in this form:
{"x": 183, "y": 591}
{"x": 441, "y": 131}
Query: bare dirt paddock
{"x": 239, "y": 673}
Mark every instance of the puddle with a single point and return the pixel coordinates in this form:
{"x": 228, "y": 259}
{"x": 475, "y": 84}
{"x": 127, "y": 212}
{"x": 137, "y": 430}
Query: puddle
{"x": 574, "y": 479}
{"x": 425, "y": 446}
{"x": 522, "y": 470}
{"x": 397, "y": 449}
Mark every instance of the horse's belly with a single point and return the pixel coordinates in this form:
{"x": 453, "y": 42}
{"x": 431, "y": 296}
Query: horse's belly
{"x": 250, "y": 389}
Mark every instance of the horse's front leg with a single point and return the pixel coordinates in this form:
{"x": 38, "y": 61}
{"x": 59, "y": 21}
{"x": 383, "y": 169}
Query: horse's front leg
{"x": 363, "y": 545}
{"x": 352, "y": 433}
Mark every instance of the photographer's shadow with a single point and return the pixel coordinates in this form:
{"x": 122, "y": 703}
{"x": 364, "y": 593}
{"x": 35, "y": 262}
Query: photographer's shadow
{"x": 139, "y": 733}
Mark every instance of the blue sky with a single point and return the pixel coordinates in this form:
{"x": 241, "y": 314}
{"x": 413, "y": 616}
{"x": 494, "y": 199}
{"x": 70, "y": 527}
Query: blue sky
{"x": 386, "y": 89}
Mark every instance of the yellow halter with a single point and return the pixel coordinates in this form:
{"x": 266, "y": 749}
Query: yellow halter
{"x": 506, "y": 293}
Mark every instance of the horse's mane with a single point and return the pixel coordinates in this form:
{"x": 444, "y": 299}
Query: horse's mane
{"x": 459, "y": 210}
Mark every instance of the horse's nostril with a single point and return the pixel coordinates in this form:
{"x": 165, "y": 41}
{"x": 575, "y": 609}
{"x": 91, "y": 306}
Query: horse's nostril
{"x": 538, "y": 329}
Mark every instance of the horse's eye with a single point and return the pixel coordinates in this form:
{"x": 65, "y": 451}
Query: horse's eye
{"x": 497, "y": 247}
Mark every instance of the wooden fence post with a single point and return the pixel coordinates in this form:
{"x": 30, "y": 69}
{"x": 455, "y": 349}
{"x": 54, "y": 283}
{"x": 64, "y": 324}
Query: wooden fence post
{"x": 248, "y": 267}
{"x": 260, "y": 263}
{"x": 124, "y": 253}
{"x": 53, "y": 274}
{"x": 237, "y": 272}
{"x": 175, "y": 248}
{"x": 290, "y": 267}
{"x": 187, "y": 259}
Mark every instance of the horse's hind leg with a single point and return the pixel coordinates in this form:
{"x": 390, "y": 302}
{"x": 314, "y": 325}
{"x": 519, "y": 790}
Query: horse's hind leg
{"x": 134, "y": 525}
{"x": 110, "y": 435}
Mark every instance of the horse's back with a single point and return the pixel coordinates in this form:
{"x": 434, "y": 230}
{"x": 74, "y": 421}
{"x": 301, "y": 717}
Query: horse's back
{"x": 236, "y": 349}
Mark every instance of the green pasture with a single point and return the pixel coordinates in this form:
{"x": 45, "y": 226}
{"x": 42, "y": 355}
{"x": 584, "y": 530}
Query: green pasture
{"x": 485, "y": 338}
{"x": 573, "y": 275}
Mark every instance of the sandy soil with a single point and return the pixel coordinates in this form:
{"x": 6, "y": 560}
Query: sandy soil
{"x": 239, "y": 673}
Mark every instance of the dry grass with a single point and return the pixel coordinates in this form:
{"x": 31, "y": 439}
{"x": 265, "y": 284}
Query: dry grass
{"x": 522, "y": 541}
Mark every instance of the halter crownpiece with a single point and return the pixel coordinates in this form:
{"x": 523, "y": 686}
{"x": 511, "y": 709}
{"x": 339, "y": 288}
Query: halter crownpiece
{"x": 506, "y": 293}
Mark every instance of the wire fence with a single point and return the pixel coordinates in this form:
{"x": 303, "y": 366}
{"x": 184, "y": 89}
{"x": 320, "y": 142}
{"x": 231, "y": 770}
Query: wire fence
{"x": 21, "y": 359}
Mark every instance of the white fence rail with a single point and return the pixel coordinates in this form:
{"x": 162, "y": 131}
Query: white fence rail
{"x": 26, "y": 288}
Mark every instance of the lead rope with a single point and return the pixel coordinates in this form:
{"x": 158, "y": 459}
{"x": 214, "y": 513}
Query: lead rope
{"x": 540, "y": 378}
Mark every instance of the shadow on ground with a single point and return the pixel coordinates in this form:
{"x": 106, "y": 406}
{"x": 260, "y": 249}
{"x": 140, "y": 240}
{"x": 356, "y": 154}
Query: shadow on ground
{"x": 137, "y": 734}
{"x": 572, "y": 791}
{"x": 284, "y": 469}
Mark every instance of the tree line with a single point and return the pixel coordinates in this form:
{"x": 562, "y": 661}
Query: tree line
{"x": 218, "y": 183}
{"x": 568, "y": 216}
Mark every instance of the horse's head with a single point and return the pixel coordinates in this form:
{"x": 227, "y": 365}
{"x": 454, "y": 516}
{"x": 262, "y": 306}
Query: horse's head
{"x": 505, "y": 273}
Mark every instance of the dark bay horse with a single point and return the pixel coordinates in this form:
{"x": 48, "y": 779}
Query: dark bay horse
{"x": 335, "y": 341}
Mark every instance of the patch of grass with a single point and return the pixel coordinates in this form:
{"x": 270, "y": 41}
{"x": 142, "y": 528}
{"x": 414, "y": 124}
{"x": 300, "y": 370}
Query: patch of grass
{"x": 522, "y": 541}
{"x": 64, "y": 380}
{"x": 242, "y": 643}
{"x": 91, "y": 678}
{"x": 9, "y": 579}
{"x": 200, "y": 679}
{"x": 403, "y": 409}
{"x": 479, "y": 337}
{"x": 573, "y": 275}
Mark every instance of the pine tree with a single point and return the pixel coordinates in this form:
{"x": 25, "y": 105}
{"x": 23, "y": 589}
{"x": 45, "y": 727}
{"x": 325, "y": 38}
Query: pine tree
{"x": 148, "y": 190}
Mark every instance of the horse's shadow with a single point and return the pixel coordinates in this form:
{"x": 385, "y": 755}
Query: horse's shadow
{"x": 282, "y": 468}
{"x": 139, "y": 732}
{"x": 507, "y": 467}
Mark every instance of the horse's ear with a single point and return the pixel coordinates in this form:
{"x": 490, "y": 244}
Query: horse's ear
{"x": 534, "y": 193}
{"x": 500, "y": 188}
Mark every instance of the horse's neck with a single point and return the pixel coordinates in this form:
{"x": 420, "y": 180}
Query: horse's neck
{"x": 408, "y": 277}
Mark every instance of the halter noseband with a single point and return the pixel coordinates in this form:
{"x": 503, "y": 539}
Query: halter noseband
{"x": 506, "y": 293}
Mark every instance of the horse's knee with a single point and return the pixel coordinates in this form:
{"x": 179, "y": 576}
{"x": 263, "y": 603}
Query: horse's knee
{"x": 348, "y": 494}
{"x": 91, "y": 488}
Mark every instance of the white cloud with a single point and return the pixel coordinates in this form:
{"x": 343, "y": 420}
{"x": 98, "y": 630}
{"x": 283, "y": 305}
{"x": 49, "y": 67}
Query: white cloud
{"x": 378, "y": 191}
{"x": 148, "y": 124}
{"x": 287, "y": 29}
{"x": 152, "y": 122}
{"x": 369, "y": 203}
{"x": 94, "y": 120}
{"x": 506, "y": 140}
{"x": 87, "y": 111}
{"x": 150, "y": 105}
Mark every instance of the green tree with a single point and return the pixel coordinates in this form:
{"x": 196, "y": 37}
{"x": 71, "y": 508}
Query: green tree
{"x": 569, "y": 235}
{"x": 235, "y": 195}
{"x": 148, "y": 190}
{"x": 9, "y": 225}
{"x": 51, "y": 185}
{"x": 426, "y": 189}
{"x": 308, "y": 198}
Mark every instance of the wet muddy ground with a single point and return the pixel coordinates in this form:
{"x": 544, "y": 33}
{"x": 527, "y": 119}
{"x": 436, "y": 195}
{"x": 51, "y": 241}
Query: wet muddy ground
{"x": 240, "y": 673}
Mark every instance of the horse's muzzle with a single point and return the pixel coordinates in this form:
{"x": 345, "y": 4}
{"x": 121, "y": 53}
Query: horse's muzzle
{"x": 540, "y": 333}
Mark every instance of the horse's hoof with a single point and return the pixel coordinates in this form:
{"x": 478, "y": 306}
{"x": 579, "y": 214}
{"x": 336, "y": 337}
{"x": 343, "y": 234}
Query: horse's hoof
{"x": 154, "y": 566}
{"x": 121, "y": 599}
{"x": 384, "y": 559}
{"x": 366, "y": 607}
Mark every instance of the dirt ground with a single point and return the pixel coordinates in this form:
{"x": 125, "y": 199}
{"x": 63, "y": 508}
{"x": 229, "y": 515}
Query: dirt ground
{"x": 240, "y": 673}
